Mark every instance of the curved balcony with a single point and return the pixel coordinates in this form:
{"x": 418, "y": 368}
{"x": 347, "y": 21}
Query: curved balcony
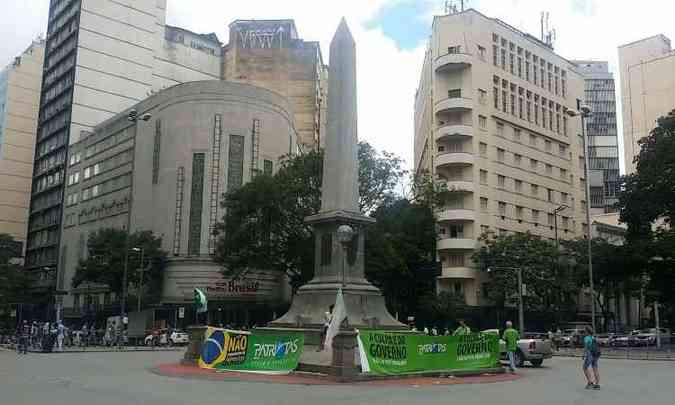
{"x": 453, "y": 130}
{"x": 454, "y": 159}
{"x": 459, "y": 186}
{"x": 456, "y": 215}
{"x": 455, "y": 104}
{"x": 458, "y": 272}
{"x": 452, "y": 61}
{"x": 462, "y": 244}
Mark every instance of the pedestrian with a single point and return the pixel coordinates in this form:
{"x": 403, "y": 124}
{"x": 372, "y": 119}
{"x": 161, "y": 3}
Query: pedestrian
{"x": 462, "y": 329}
{"x": 511, "y": 337}
{"x": 34, "y": 334}
{"x": 24, "y": 336}
{"x": 591, "y": 357}
{"x": 60, "y": 335}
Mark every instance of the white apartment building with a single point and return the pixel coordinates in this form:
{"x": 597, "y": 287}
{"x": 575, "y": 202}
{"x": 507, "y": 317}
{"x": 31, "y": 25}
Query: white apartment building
{"x": 647, "y": 71}
{"x": 19, "y": 102}
{"x": 102, "y": 56}
{"x": 491, "y": 123}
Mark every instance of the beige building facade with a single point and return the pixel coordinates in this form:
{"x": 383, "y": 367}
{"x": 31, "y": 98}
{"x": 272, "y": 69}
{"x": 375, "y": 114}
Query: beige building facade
{"x": 647, "y": 90}
{"x": 491, "y": 125}
{"x": 270, "y": 54}
{"x": 20, "y": 85}
{"x": 168, "y": 175}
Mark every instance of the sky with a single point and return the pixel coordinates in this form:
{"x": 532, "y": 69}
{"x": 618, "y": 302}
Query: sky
{"x": 391, "y": 36}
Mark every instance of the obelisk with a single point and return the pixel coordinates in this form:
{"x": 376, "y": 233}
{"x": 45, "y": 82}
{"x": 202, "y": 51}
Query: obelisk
{"x": 339, "y": 227}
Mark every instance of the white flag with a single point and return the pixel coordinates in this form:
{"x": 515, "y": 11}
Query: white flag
{"x": 337, "y": 317}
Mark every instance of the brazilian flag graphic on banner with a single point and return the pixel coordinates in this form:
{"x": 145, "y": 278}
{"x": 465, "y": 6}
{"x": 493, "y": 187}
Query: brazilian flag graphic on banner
{"x": 225, "y": 349}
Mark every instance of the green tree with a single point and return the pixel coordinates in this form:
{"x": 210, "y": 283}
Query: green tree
{"x": 263, "y": 226}
{"x": 14, "y": 281}
{"x": 400, "y": 254}
{"x": 549, "y": 285}
{"x": 106, "y": 255}
{"x": 649, "y": 193}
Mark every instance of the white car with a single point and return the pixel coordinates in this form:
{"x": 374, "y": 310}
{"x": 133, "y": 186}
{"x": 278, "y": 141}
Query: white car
{"x": 163, "y": 339}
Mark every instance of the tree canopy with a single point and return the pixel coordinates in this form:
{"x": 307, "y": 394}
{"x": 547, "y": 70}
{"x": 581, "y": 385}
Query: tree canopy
{"x": 263, "y": 226}
{"x": 104, "y": 263}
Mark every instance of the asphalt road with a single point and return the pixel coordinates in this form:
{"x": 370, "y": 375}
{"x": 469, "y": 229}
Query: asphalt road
{"x": 123, "y": 379}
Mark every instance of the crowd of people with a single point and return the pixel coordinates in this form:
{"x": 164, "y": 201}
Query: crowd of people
{"x": 50, "y": 336}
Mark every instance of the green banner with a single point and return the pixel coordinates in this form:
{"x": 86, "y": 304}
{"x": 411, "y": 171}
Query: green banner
{"x": 225, "y": 349}
{"x": 400, "y": 353}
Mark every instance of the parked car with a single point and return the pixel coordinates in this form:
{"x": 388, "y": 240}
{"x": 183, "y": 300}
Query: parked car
{"x": 604, "y": 339}
{"x": 179, "y": 338}
{"x": 619, "y": 341}
{"x": 162, "y": 337}
{"x": 534, "y": 348}
{"x": 647, "y": 337}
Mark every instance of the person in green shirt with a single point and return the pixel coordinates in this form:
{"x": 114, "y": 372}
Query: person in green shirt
{"x": 511, "y": 337}
{"x": 462, "y": 329}
{"x": 591, "y": 356}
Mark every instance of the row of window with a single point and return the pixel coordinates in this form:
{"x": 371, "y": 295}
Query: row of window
{"x": 518, "y": 162}
{"x": 56, "y": 123}
{"x": 91, "y": 302}
{"x": 108, "y": 164}
{"x": 64, "y": 66}
{"x": 56, "y": 107}
{"x": 48, "y": 181}
{"x": 61, "y": 21}
{"x": 550, "y": 76}
{"x": 48, "y": 163}
{"x": 106, "y": 187}
{"x": 75, "y": 158}
{"x": 526, "y": 105}
{"x": 48, "y": 218}
{"x": 107, "y": 143}
{"x": 47, "y": 200}
{"x": 42, "y": 238}
{"x": 59, "y": 54}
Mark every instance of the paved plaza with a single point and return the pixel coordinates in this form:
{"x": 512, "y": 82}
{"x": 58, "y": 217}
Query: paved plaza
{"x": 124, "y": 378}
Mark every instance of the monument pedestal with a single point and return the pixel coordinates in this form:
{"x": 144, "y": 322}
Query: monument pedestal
{"x": 194, "y": 347}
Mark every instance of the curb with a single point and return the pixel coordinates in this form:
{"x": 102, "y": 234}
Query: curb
{"x": 127, "y": 349}
{"x": 618, "y": 357}
{"x": 308, "y": 378}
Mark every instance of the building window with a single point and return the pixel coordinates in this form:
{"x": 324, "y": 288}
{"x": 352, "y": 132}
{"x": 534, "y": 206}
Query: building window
{"x": 483, "y": 176}
{"x": 482, "y": 121}
{"x": 455, "y": 49}
{"x": 504, "y": 101}
{"x": 503, "y": 59}
{"x": 483, "y": 204}
{"x": 454, "y": 202}
{"x": 495, "y": 57}
{"x": 549, "y": 195}
{"x": 511, "y": 67}
{"x": 519, "y": 213}
{"x": 533, "y": 164}
{"x": 456, "y": 231}
{"x": 565, "y": 222}
{"x": 563, "y": 173}
{"x": 502, "y": 208}
{"x": 268, "y": 167}
{"x": 482, "y": 96}
{"x": 533, "y": 140}
{"x": 519, "y": 186}
{"x": 517, "y": 159}
{"x": 196, "y": 204}
{"x": 455, "y": 260}
{"x": 235, "y": 163}
{"x": 457, "y": 287}
{"x": 520, "y": 67}
{"x": 535, "y": 216}
{"x": 527, "y": 71}
{"x": 563, "y": 198}
{"x": 495, "y": 97}
{"x": 534, "y": 189}
{"x": 155, "y": 151}
{"x": 513, "y": 104}
{"x": 529, "y": 111}
{"x": 549, "y": 169}
{"x": 501, "y": 154}
{"x": 501, "y": 181}
{"x": 455, "y": 93}
{"x": 500, "y": 129}
{"x": 548, "y": 145}
{"x": 562, "y": 150}
{"x": 564, "y": 125}
{"x": 516, "y": 135}
{"x": 482, "y": 149}
{"x": 551, "y": 219}
{"x": 520, "y": 108}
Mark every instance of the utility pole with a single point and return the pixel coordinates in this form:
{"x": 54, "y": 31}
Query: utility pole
{"x": 140, "y": 281}
{"x": 521, "y": 313}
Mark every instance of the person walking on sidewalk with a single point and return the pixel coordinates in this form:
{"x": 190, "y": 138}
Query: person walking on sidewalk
{"x": 591, "y": 357}
{"x": 511, "y": 337}
{"x": 24, "y": 336}
{"x": 60, "y": 335}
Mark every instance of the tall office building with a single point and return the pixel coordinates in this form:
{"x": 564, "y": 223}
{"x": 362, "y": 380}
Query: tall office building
{"x": 647, "y": 89}
{"x": 101, "y": 57}
{"x": 491, "y": 123}
{"x": 19, "y": 101}
{"x": 270, "y": 54}
{"x": 601, "y": 129}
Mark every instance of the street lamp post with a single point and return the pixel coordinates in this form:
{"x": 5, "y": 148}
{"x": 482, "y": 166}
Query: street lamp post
{"x": 560, "y": 208}
{"x": 345, "y": 234}
{"x": 521, "y": 312}
{"x": 140, "y": 280}
{"x": 584, "y": 112}
{"x": 132, "y": 117}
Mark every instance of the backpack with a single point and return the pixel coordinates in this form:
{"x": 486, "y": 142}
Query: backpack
{"x": 595, "y": 349}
